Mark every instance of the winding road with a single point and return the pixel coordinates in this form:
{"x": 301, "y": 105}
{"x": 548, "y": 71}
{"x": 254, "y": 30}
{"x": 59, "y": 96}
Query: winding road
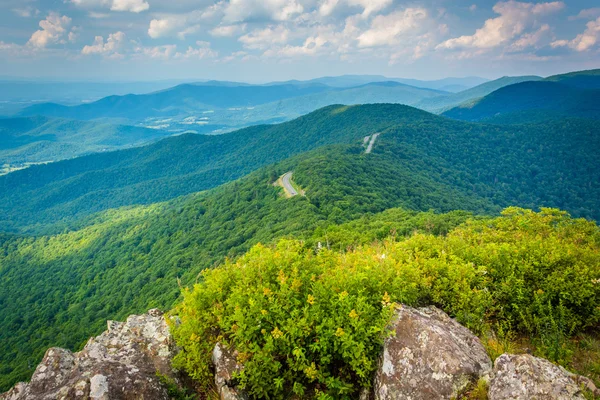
{"x": 287, "y": 185}
{"x": 371, "y": 143}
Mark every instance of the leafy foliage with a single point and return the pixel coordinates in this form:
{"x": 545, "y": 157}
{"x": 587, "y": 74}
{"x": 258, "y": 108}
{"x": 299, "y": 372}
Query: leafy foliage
{"x": 308, "y": 320}
{"x": 60, "y": 289}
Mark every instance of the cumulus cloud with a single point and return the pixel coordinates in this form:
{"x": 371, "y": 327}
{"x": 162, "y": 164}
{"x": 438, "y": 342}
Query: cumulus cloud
{"x": 584, "y": 41}
{"x": 26, "y": 12}
{"x": 515, "y": 17}
{"x": 135, "y": 6}
{"x": 109, "y": 49}
{"x": 74, "y": 34}
{"x": 181, "y": 25}
{"x": 264, "y": 38}
{"x": 227, "y": 30}
{"x": 532, "y": 39}
{"x": 203, "y": 50}
{"x": 252, "y": 10}
{"x": 311, "y": 46}
{"x": 164, "y": 26}
{"x": 588, "y": 13}
{"x": 369, "y": 7}
{"x": 54, "y": 27}
{"x": 176, "y": 25}
{"x": 164, "y": 52}
{"x": 390, "y": 29}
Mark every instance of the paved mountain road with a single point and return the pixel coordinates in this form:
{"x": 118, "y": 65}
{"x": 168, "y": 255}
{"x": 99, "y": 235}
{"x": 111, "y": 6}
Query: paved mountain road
{"x": 287, "y": 185}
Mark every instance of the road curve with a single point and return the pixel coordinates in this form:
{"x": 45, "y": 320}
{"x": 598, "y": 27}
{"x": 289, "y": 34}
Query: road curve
{"x": 287, "y": 185}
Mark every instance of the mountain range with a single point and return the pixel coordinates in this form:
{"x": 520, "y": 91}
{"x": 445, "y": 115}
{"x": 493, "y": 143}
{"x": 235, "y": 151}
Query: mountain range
{"x": 103, "y": 235}
{"x": 569, "y": 95}
{"x": 223, "y": 106}
{"x": 42, "y": 139}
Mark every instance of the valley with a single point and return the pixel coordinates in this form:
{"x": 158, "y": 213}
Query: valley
{"x": 162, "y": 200}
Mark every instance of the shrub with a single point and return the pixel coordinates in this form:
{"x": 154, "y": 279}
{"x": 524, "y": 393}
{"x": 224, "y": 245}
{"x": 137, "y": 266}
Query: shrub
{"x": 311, "y": 322}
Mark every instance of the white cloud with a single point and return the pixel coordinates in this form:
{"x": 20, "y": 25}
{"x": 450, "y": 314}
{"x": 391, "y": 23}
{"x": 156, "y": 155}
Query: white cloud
{"x": 53, "y": 29}
{"x": 109, "y": 49}
{"x": 387, "y": 30}
{"x": 368, "y": 6}
{"x": 264, "y": 38}
{"x": 249, "y": 10}
{"x": 74, "y": 34}
{"x": 181, "y": 25}
{"x": 311, "y": 46}
{"x": 97, "y": 15}
{"x": 531, "y": 39}
{"x": 203, "y": 50}
{"x": 227, "y": 30}
{"x": 238, "y": 55}
{"x": 26, "y": 12}
{"x": 584, "y": 41}
{"x": 588, "y": 13}
{"x": 135, "y": 6}
{"x": 164, "y": 52}
{"x": 515, "y": 17}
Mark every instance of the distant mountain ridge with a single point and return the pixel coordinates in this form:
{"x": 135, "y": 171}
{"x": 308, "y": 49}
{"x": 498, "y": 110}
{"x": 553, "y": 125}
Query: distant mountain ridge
{"x": 206, "y": 108}
{"x": 186, "y": 98}
{"x": 570, "y": 95}
{"x": 96, "y": 266}
{"x": 443, "y": 103}
{"x": 43, "y": 139}
{"x": 189, "y": 163}
{"x": 357, "y": 80}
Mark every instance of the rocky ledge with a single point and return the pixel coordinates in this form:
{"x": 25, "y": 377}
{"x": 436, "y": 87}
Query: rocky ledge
{"x": 121, "y": 363}
{"x": 429, "y": 356}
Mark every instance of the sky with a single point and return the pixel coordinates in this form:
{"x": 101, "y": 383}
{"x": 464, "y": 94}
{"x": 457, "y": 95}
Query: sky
{"x": 268, "y": 40}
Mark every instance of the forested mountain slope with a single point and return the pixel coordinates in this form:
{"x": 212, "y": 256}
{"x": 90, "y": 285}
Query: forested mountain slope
{"x": 179, "y": 165}
{"x": 589, "y": 79}
{"x": 372, "y": 93}
{"x": 531, "y": 101}
{"x": 128, "y": 260}
{"x": 445, "y": 102}
{"x": 542, "y": 164}
{"x": 59, "y": 289}
{"x": 42, "y": 139}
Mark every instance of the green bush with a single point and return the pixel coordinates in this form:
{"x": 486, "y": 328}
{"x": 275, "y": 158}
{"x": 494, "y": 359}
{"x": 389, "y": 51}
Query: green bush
{"x": 311, "y": 321}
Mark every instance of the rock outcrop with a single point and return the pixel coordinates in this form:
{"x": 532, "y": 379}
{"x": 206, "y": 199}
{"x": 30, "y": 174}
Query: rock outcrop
{"x": 226, "y": 365}
{"x": 430, "y": 356}
{"x": 523, "y": 376}
{"x": 121, "y": 363}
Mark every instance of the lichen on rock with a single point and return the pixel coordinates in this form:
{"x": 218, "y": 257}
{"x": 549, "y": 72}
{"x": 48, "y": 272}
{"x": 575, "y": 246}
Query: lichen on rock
{"x": 429, "y": 356}
{"x": 121, "y": 363}
{"x": 523, "y": 376}
{"x": 226, "y": 366}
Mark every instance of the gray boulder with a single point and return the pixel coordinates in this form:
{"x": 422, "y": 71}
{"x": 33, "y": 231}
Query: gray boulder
{"x": 121, "y": 363}
{"x": 523, "y": 376}
{"x": 226, "y": 366}
{"x": 430, "y": 356}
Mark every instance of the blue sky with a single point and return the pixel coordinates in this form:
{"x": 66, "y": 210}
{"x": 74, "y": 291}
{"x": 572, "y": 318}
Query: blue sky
{"x": 265, "y": 40}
